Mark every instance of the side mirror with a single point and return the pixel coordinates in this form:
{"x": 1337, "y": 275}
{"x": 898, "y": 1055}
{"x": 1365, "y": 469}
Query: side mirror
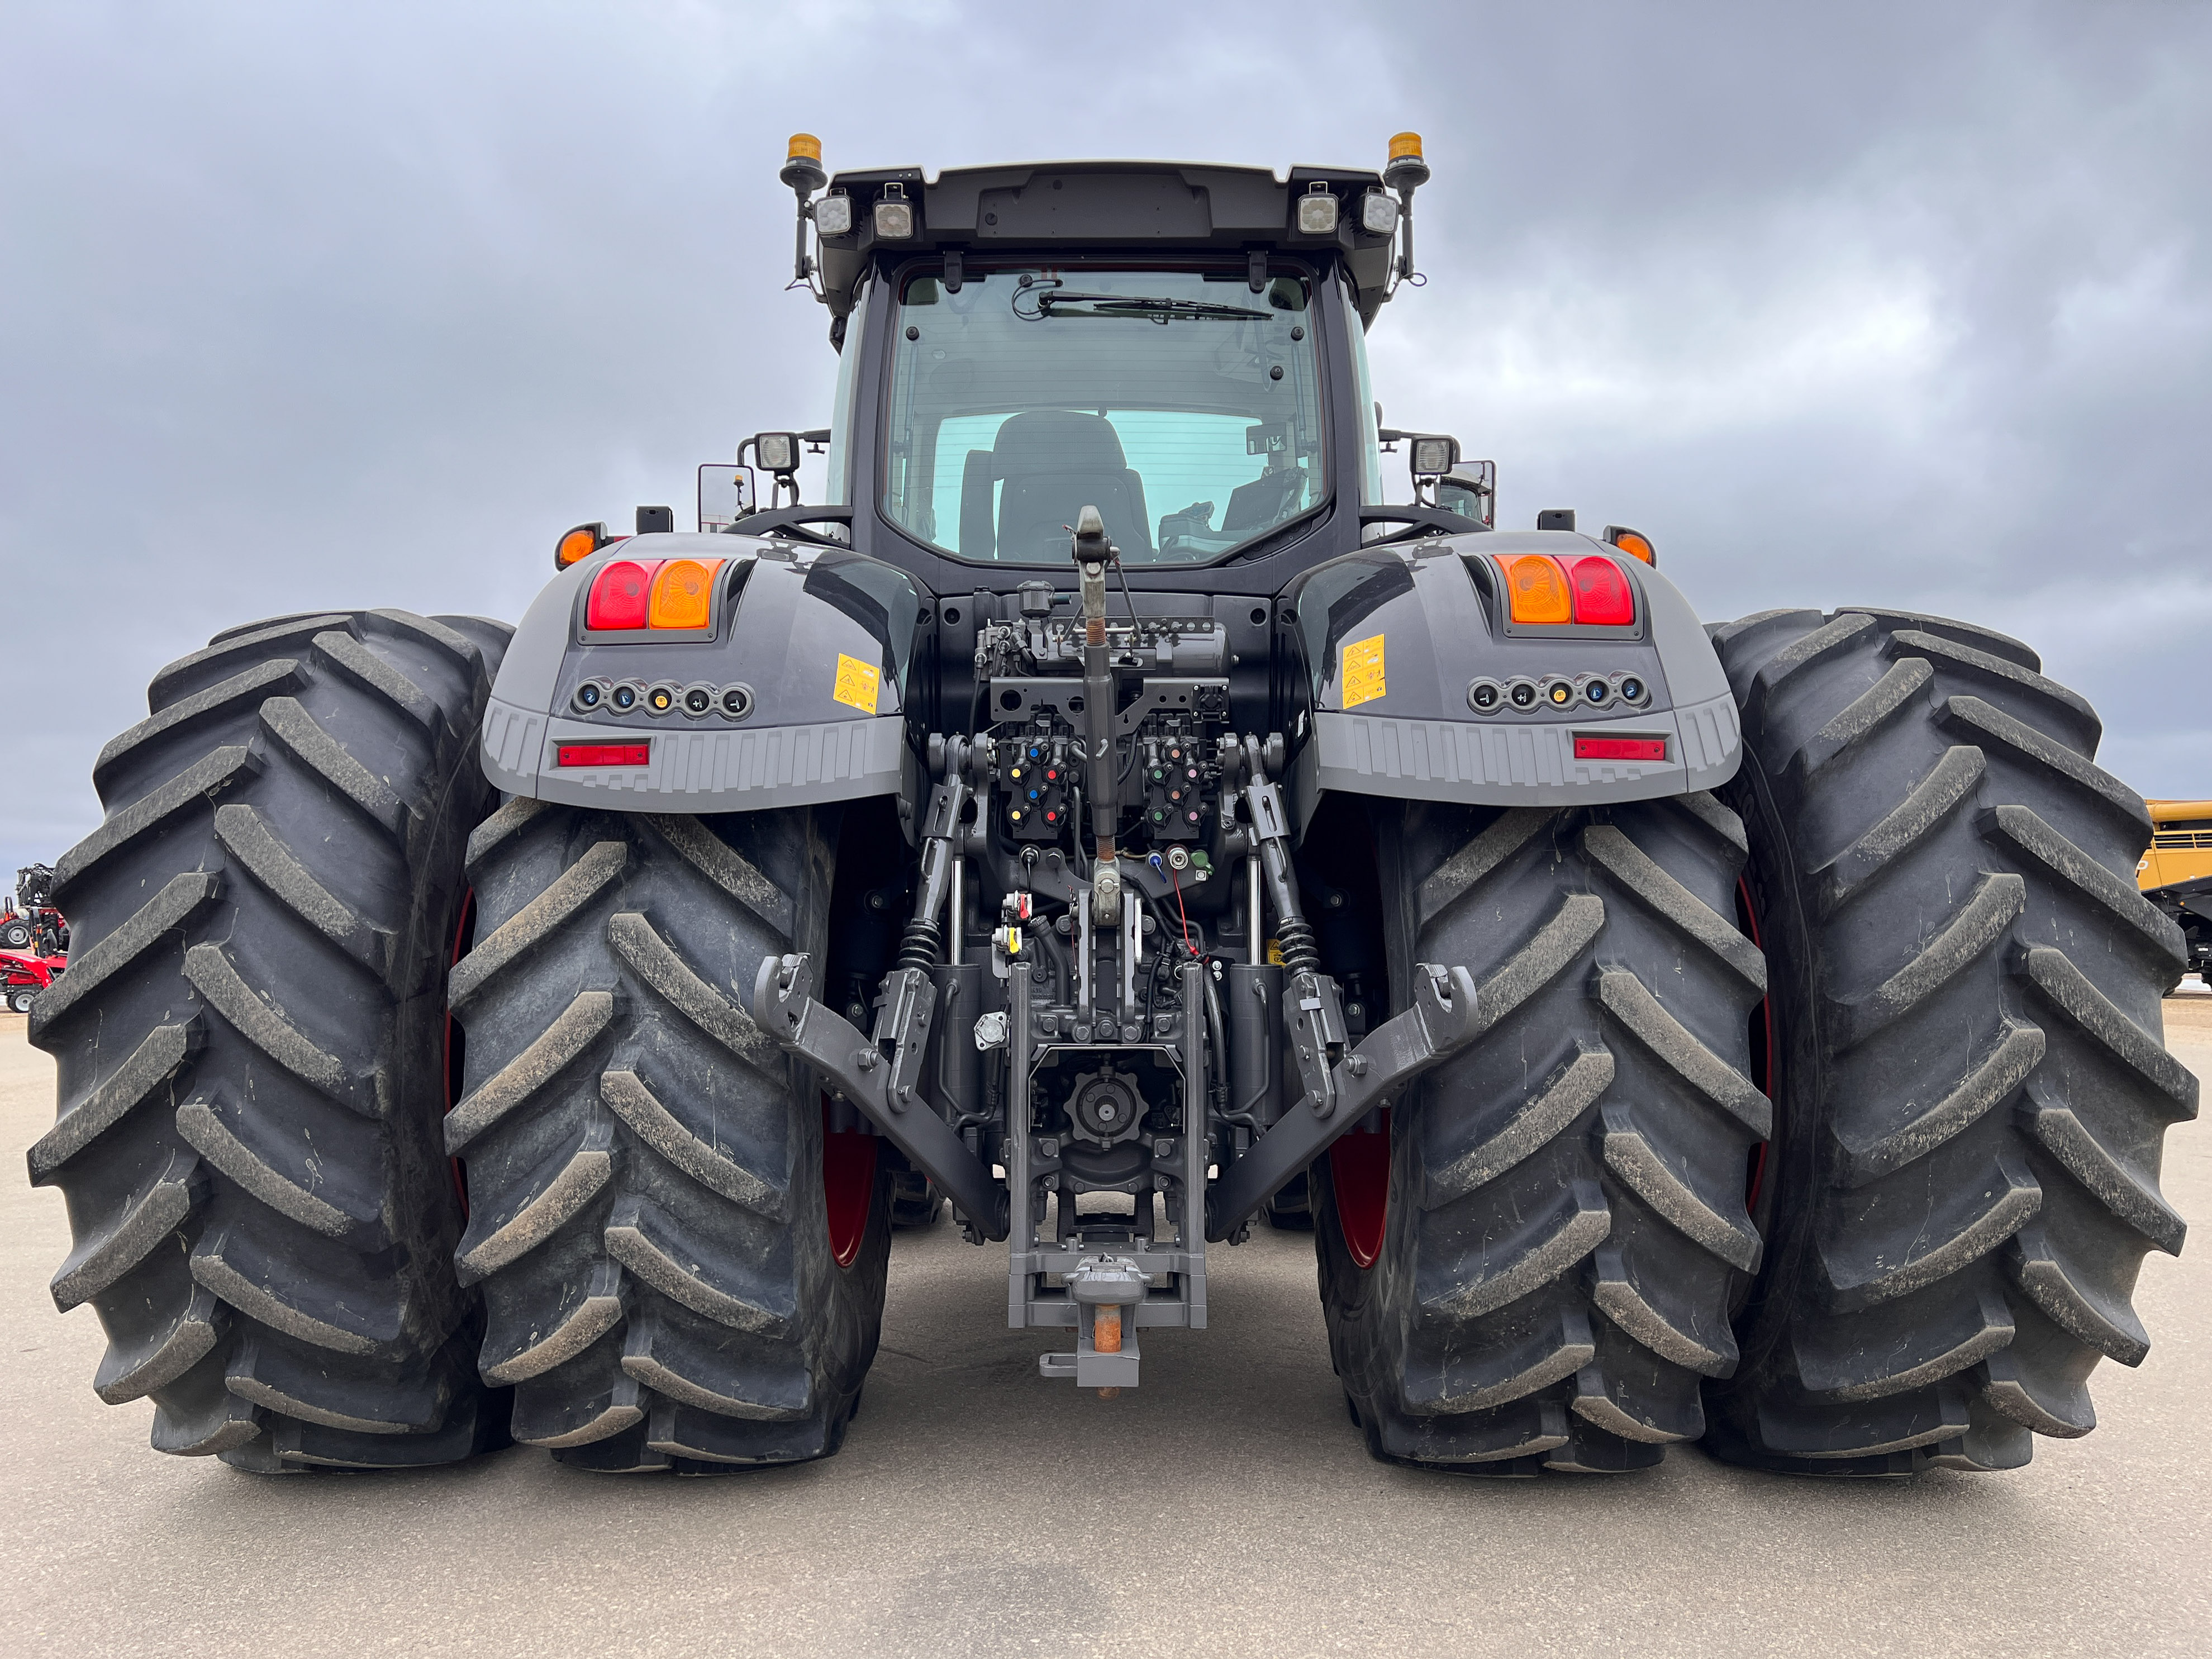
{"x": 725, "y": 495}
{"x": 1471, "y": 492}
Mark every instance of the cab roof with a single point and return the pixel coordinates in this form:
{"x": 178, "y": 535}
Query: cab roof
{"x": 1110, "y": 206}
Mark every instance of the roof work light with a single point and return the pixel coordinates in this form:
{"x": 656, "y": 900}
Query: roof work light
{"x": 893, "y": 215}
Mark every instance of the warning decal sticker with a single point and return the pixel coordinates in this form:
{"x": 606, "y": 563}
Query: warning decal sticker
{"x": 1362, "y": 671}
{"x": 859, "y": 684}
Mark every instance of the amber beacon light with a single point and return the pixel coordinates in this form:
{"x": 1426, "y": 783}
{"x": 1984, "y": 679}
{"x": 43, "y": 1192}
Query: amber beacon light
{"x": 803, "y": 162}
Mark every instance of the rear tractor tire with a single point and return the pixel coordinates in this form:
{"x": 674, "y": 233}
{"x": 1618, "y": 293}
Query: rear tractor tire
{"x": 682, "y": 1270}
{"x": 251, "y": 1045}
{"x": 1970, "y": 1079}
{"x": 1532, "y": 1266}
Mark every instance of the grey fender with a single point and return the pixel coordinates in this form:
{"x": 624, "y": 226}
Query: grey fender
{"x": 1395, "y": 637}
{"x": 811, "y": 644}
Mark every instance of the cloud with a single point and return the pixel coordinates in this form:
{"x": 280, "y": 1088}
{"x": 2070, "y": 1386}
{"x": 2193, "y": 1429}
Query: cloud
{"x": 319, "y": 305}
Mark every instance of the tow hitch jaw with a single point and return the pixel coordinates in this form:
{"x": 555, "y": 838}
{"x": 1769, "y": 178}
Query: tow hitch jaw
{"x": 1106, "y": 1290}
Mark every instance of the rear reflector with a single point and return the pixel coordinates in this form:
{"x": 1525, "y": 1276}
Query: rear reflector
{"x": 629, "y": 754}
{"x": 1627, "y": 749}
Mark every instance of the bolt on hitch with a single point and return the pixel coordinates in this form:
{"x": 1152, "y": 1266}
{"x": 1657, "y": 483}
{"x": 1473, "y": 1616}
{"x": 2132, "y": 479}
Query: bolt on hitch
{"x": 1106, "y": 1290}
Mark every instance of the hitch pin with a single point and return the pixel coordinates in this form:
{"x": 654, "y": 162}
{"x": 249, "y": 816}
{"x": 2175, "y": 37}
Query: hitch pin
{"x": 1106, "y": 1337}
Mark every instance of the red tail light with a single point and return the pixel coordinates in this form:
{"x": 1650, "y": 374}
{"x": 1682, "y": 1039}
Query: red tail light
{"x": 1603, "y": 597}
{"x": 604, "y": 754}
{"x": 621, "y": 594}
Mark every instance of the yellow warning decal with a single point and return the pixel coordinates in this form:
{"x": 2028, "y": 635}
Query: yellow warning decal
{"x": 859, "y": 684}
{"x": 1362, "y": 671}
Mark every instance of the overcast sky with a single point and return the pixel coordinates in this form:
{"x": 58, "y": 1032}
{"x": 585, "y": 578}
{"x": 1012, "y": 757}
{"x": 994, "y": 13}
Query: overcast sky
{"x": 311, "y": 306}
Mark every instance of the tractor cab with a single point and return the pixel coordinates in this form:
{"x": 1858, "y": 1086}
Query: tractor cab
{"x": 1182, "y": 347}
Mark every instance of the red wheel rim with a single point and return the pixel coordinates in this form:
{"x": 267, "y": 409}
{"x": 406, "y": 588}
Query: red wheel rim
{"x": 849, "y": 1186}
{"x": 1359, "y": 1174}
{"x": 1762, "y": 1049}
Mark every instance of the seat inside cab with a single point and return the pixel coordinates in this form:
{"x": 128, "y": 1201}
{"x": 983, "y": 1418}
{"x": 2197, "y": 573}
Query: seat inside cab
{"x": 1019, "y": 498}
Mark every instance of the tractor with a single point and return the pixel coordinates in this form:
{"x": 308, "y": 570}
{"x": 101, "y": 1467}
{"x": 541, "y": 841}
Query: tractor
{"x": 1106, "y": 813}
{"x": 29, "y": 921}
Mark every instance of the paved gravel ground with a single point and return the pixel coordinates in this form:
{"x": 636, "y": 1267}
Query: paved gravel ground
{"x": 1225, "y": 1508}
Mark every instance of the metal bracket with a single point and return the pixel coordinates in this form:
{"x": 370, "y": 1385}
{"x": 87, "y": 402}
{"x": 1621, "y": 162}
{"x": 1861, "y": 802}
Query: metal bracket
{"x": 1101, "y": 1281}
{"x": 885, "y": 1092}
{"x": 1439, "y": 1023}
{"x": 1087, "y": 1368}
{"x": 903, "y": 1017}
{"x": 1316, "y": 1031}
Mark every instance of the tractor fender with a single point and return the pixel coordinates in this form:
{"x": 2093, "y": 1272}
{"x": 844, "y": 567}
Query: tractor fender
{"x": 1396, "y": 639}
{"x": 803, "y": 666}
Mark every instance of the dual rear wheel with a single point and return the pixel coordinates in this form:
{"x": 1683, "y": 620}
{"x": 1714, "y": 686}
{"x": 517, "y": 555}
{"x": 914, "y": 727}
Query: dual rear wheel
{"x": 395, "y": 1122}
{"x": 1819, "y": 1120}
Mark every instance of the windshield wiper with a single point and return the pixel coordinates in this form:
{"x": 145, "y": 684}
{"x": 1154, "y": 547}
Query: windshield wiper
{"x": 1153, "y": 309}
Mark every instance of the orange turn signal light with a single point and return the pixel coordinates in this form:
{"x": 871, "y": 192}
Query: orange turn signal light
{"x": 1634, "y": 542}
{"x": 683, "y": 594}
{"x": 1536, "y": 589}
{"x": 580, "y": 542}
